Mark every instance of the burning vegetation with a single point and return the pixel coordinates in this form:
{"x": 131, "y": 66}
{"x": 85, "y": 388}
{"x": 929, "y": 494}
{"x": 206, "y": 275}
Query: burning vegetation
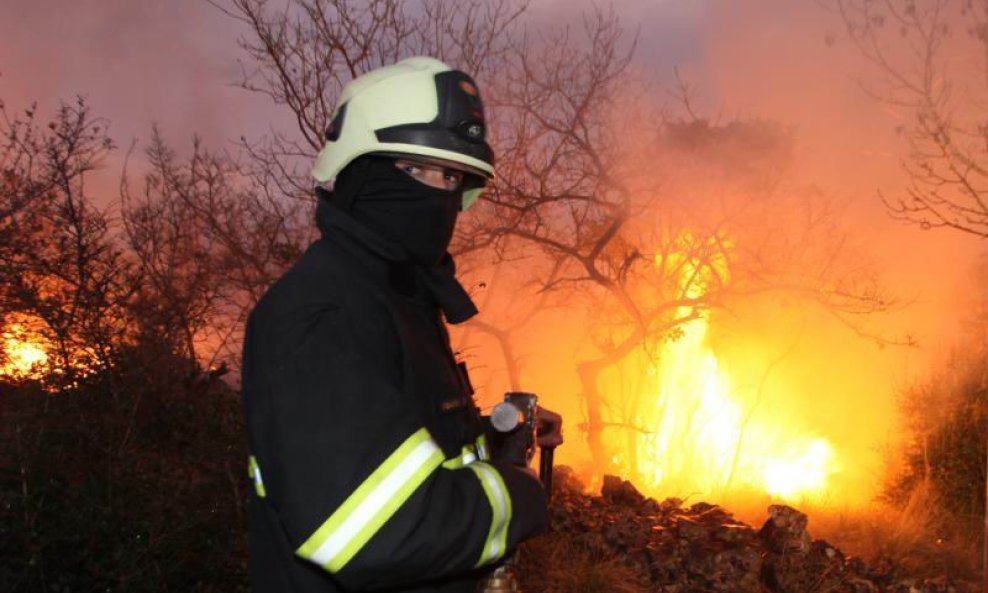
{"x": 25, "y": 352}
{"x": 30, "y": 354}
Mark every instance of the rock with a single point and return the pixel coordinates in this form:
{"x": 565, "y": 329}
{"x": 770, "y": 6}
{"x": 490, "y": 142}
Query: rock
{"x": 623, "y": 492}
{"x": 704, "y": 549}
{"x": 670, "y": 505}
{"x": 785, "y": 530}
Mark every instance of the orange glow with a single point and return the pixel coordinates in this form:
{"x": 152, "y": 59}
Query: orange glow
{"x": 25, "y": 349}
{"x": 23, "y": 356}
{"x": 703, "y": 438}
{"x": 28, "y": 354}
{"x": 760, "y": 399}
{"x": 697, "y": 435}
{"x": 770, "y": 395}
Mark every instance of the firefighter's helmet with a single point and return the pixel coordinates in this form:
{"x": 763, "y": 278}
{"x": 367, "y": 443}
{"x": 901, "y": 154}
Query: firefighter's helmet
{"x": 419, "y": 108}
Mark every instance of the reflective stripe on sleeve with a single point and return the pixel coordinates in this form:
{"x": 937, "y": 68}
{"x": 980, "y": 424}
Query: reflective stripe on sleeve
{"x": 254, "y": 471}
{"x": 375, "y": 501}
{"x": 482, "y": 452}
{"x": 497, "y": 495}
{"x": 465, "y": 458}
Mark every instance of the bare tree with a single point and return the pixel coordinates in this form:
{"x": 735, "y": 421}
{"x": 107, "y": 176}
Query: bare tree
{"x": 581, "y": 183}
{"x": 931, "y": 57}
{"x": 939, "y": 78}
{"x": 210, "y": 238}
{"x": 301, "y": 56}
{"x": 127, "y": 427}
{"x": 180, "y": 274}
{"x": 58, "y": 256}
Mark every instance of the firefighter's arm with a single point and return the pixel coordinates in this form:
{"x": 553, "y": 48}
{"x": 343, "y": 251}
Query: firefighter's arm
{"x": 361, "y": 487}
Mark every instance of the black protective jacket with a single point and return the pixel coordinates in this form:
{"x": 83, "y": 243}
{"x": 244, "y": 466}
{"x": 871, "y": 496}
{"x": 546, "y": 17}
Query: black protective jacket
{"x": 367, "y": 455}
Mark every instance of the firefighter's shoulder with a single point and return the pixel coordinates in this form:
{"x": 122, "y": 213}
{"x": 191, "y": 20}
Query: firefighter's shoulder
{"x": 321, "y": 298}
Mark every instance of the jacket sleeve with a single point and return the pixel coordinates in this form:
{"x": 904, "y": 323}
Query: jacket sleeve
{"x": 357, "y": 481}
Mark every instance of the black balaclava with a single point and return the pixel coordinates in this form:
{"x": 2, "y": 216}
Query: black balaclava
{"x": 412, "y": 218}
{"x": 389, "y": 201}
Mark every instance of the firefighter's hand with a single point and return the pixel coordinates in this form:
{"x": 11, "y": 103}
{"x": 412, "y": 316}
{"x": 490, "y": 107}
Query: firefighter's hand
{"x": 549, "y": 428}
{"x": 511, "y": 447}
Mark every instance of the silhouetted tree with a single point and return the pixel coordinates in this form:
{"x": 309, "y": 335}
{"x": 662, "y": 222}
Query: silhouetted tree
{"x": 58, "y": 257}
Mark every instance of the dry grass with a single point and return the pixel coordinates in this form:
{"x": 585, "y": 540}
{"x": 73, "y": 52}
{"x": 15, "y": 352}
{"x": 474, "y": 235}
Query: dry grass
{"x": 553, "y": 564}
{"x": 917, "y": 536}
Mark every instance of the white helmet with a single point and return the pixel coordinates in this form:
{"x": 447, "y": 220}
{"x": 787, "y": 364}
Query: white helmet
{"x": 419, "y": 108}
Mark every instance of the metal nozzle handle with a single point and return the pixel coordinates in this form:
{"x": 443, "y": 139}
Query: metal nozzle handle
{"x": 545, "y": 470}
{"x": 505, "y": 417}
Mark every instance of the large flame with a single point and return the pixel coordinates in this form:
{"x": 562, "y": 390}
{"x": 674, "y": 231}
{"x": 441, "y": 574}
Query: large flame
{"x": 700, "y": 436}
{"x": 697, "y": 435}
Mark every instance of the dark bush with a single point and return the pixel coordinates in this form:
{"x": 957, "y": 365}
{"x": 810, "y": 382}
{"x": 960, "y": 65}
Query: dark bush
{"x": 945, "y": 462}
{"x": 133, "y": 480}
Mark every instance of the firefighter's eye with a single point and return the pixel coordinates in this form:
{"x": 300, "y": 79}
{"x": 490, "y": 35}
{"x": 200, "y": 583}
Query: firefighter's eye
{"x": 432, "y": 175}
{"x": 452, "y": 179}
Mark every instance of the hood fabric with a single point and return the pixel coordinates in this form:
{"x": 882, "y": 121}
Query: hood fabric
{"x": 385, "y": 199}
{"x": 410, "y": 233}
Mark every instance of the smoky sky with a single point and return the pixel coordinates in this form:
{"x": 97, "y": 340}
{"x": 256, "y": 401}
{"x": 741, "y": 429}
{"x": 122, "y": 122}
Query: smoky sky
{"x": 175, "y": 62}
{"x": 166, "y": 61}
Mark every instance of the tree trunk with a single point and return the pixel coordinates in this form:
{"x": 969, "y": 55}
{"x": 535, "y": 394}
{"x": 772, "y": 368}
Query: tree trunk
{"x": 588, "y": 373}
{"x": 503, "y": 338}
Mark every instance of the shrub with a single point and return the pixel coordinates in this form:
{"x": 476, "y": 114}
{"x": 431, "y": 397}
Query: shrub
{"x": 944, "y": 462}
{"x": 133, "y": 480}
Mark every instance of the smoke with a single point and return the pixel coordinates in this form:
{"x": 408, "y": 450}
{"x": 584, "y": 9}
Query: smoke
{"x": 171, "y": 63}
{"x": 789, "y": 63}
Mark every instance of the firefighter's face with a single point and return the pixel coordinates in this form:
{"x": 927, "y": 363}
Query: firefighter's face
{"x": 432, "y": 175}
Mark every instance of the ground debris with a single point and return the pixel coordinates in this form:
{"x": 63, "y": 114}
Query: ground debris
{"x": 666, "y": 547}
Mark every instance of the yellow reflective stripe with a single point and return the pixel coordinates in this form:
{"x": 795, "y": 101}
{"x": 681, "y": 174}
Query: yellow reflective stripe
{"x": 254, "y": 471}
{"x": 482, "y": 452}
{"x": 375, "y": 501}
{"x": 466, "y": 457}
{"x": 497, "y": 495}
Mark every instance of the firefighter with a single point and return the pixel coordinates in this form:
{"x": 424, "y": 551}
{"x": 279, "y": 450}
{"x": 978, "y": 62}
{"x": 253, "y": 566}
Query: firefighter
{"x": 369, "y": 459}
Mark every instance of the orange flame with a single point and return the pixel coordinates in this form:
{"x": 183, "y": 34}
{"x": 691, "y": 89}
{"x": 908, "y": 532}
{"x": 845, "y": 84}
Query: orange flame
{"x": 699, "y": 436}
{"x": 25, "y": 350}
{"x": 704, "y": 438}
{"x": 27, "y": 354}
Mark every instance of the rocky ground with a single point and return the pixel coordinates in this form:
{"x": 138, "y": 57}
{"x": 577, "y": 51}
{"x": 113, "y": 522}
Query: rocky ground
{"x": 623, "y": 542}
